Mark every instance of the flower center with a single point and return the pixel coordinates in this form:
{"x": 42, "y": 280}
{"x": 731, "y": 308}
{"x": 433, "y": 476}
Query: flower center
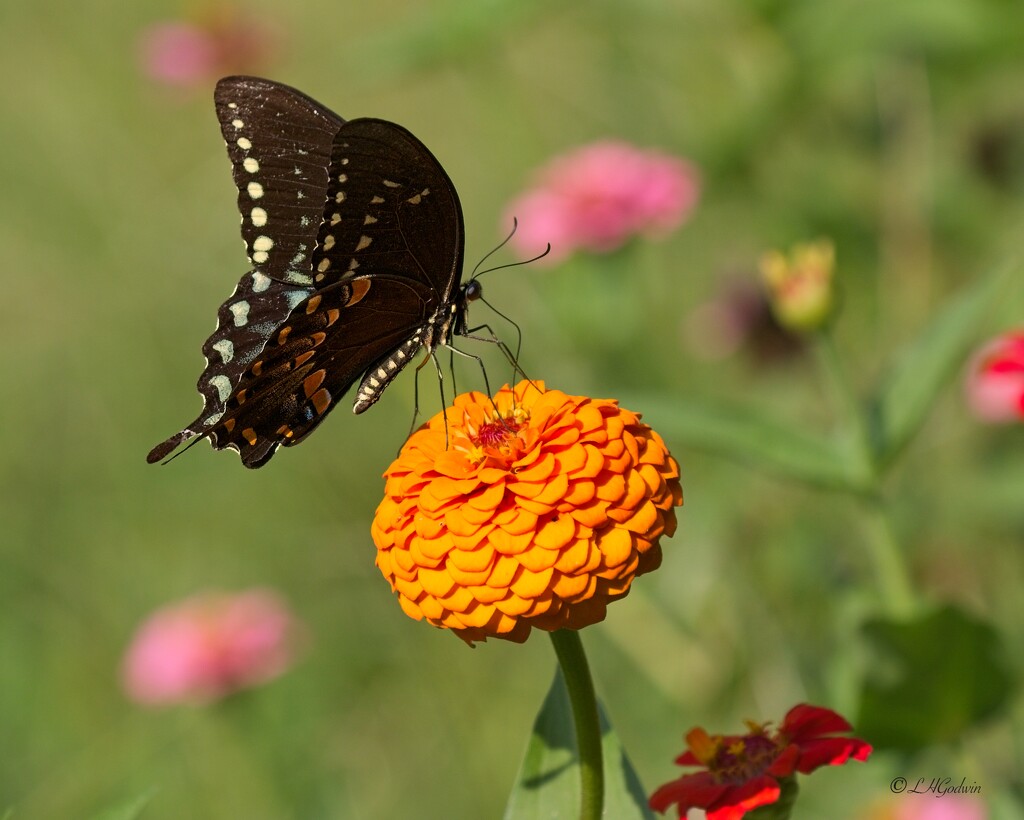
{"x": 498, "y": 439}
{"x": 744, "y": 758}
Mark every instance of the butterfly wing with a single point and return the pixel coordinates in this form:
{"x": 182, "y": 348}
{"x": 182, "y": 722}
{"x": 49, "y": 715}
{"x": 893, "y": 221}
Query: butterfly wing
{"x": 356, "y": 239}
{"x": 280, "y": 143}
{"x": 390, "y": 206}
{"x": 329, "y": 341}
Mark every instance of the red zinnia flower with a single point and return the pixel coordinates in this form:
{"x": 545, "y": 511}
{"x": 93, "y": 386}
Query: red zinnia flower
{"x": 743, "y": 772}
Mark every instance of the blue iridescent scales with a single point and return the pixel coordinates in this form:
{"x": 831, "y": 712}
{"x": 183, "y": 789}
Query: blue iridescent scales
{"x": 355, "y": 236}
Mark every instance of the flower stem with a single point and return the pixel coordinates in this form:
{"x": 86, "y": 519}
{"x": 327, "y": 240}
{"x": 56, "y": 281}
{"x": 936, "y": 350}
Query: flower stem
{"x": 886, "y": 556}
{"x": 896, "y": 589}
{"x": 858, "y": 439}
{"x": 578, "y": 682}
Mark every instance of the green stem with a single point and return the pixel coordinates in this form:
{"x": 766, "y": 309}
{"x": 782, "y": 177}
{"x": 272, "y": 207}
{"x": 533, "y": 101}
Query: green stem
{"x": 858, "y": 439}
{"x": 890, "y": 569}
{"x": 573, "y": 662}
{"x": 894, "y": 584}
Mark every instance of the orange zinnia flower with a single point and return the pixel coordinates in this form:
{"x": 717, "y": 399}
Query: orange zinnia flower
{"x": 534, "y": 509}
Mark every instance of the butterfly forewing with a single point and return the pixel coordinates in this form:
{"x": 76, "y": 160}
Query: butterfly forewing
{"x": 279, "y": 142}
{"x": 391, "y": 207}
{"x": 356, "y": 235}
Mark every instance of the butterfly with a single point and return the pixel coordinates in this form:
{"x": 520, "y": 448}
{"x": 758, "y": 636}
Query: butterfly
{"x": 355, "y": 236}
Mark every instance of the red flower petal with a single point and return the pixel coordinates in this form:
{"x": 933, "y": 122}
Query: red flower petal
{"x": 740, "y": 799}
{"x": 831, "y": 751}
{"x": 805, "y": 722}
{"x": 691, "y": 791}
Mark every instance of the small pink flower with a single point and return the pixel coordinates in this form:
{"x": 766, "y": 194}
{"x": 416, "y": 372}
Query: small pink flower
{"x": 995, "y": 379}
{"x": 209, "y": 645}
{"x": 599, "y": 196}
{"x": 185, "y": 54}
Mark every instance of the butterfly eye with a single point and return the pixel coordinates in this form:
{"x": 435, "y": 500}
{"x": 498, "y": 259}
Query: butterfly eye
{"x": 472, "y": 290}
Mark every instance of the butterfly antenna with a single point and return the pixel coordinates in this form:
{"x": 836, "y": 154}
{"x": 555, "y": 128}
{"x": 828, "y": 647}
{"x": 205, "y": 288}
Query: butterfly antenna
{"x": 490, "y": 253}
{"x": 539, "y": 256}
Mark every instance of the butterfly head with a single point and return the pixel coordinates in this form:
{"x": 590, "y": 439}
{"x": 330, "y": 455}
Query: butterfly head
{"x": 471, "y": 291}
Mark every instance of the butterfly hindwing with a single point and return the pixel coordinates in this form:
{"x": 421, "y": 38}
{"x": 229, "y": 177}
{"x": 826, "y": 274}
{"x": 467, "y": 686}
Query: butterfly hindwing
{"x": 305, "y": 368}
{"x": 245, "y": 322}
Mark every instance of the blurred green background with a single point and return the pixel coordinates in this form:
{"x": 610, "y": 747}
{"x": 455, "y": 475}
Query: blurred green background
{"x": 897, "y": 129}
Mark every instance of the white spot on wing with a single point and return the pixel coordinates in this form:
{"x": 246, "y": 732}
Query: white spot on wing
{"x": 259, "y": 217}
{"x": 254, "y": 189}
{"x": 250, "y": 165}
{"x": 237, "y": 123}
{"x": 222, "y": 384}
{"x": 226, "y": 349}
{"x": 260, "y": 282}
{"x": 364, "y": 242}
{"x": 260, "y": 257}
{"x": 294, "y": 297}
{"x": 262, "y": 243}
{"x": 240, "y": 310}
{"x": 243, "y": 143}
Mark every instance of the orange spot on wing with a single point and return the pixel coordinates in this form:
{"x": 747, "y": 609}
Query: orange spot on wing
{"x": 313, "y": 303}
{"x": 313, "y": 382}
{"x": 257, "y": 368}
{"x": 250, "y": 435}
{"x": 229, "y": 425}
{"x": 302, "y": 358}
{"x": 283, "y": 334}
{"x": 332, "y": 316}
{"x": 360, "y": 287}
{"x": 317, "y": 337}
{"x": 321, "y": 400}
{"x": 240, "y": 396}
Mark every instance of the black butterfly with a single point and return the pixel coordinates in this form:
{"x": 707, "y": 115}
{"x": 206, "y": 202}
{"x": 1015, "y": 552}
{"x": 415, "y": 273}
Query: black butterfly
{"x": 355, "y": 235}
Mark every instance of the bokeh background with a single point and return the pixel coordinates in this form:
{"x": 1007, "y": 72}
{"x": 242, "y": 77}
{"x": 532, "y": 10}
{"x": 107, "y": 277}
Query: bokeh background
{"x": 896, "y": 129}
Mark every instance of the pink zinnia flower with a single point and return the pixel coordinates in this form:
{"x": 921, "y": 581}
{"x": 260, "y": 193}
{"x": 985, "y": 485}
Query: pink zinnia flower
{"x": 185, "y": 54}
{"x": 995, "y": 380}
{"x": 599, "y": 196}
{"x": 928, "y": 805}
{"x": 207, "y": 646}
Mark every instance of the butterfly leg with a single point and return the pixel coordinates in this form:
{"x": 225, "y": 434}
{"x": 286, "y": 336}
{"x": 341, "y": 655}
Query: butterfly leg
{"x": 440, "y": 385}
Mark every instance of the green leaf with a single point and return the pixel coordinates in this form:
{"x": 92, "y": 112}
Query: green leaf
{"x": 548, "y": 782}
{"x": 130, "y": 809}
{"x": 932, "y": 679}
{"x": 928, "y": 364}
{"x": 745, "y": 434}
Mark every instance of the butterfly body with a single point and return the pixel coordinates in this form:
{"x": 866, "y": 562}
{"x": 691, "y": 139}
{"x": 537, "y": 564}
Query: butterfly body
{"x": 355, "y": 235}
